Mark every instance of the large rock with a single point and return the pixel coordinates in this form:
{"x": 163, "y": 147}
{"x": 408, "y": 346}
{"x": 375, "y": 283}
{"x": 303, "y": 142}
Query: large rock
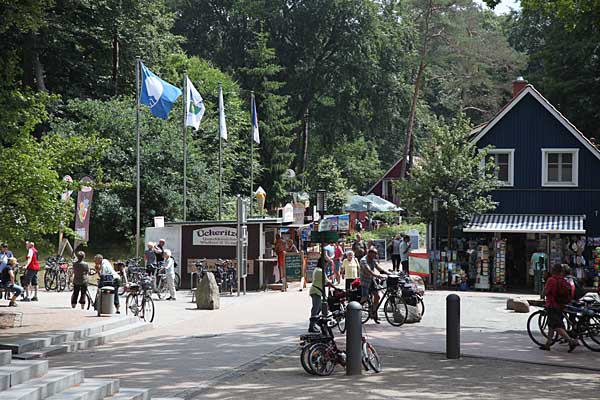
{"x": 520, "y": 305}
{"x": 207, "y": 293}
{"x": 509, "y": 303}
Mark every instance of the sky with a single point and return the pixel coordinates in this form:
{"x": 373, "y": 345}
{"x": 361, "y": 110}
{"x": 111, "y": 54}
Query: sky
{"x": 505, "y": 6}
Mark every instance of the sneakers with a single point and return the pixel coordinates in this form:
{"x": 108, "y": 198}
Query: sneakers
{"x": 12, "y": 304}
{"x": 34, "y": 298}
{"x": 171, "y": 299}
{"x": 25, "y": 299}
{"x": 545, "y": 347}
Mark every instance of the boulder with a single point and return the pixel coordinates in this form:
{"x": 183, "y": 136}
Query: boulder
{"x": 11, "y": 319}
{"x": 207, "y": 293}
{"x": 509, "y": 304}
{"x": 520, "y": 305}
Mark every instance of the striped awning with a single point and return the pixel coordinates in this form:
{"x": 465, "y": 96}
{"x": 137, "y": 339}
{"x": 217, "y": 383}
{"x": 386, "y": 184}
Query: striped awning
{"x": 519, "y": 223}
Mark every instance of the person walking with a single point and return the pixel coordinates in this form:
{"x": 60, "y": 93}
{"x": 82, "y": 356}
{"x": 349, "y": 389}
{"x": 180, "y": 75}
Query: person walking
{"x": 7, "y": 278}
{"x": 106, "y": 271}
{"x": 404, "y": 251}
{"x": 32, "y": 267}
{"x": 396, "y": 244}
{"x": 170, "y": 274}
{"x": 338, "y": 254}
{"x": 159, "y": 251}
{"x": 316, "y": 295}
{"x": 279, "y": 248}
{"x": 359, "y": 247}
{"x": 350, "y": 267}
{"x": 558, "y": 294}
{"x": 150, "y": 258}
{"x": 369, "y": 269}
{"x": 81, "y": 270}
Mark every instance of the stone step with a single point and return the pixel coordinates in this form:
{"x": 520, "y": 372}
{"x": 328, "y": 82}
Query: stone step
{"x": 46, "y": 351}
{"x": 21, "y": 371}
{"x": 131, "y": 394}
{"x": 5, "y": 357}
{"x": 90, "y": 389}
{"x": 55, "y": 381}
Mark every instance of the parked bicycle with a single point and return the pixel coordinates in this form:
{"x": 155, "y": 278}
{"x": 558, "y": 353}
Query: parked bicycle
{"x": 395, "y": 308}
{"x": 56, "y": 276}
{"x": 139, "y": 300}
{"x": 320, "y": 353}
{"x": 226, "y": 276}
{"x": 581, "y": 320}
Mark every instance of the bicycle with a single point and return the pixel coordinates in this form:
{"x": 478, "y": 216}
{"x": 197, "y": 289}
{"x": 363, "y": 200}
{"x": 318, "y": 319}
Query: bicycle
{"x": 395, "y": 308}
{"x": 56, "y": 277}
{"x": 581, "y": 320}
{"x": 139, "y": 300}
{"x": 320, "y": 354}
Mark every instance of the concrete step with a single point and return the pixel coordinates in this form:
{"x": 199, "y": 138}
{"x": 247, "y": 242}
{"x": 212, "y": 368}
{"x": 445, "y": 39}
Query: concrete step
{"x": 55, "y": 381}
{"x": 90, "y": 389}
{"x": 113, "y": 334}
{"x": 5, "y": 357}
{"x": 131, "y": 394}
{"x": 21, "y": 371}
{"x": 46, "y": 351}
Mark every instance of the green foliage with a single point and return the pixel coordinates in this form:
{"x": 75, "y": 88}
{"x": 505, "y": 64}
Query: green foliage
{"x": 450, "y": 170}
{"x": 325, "y": 174}
{"x": 387, "y": 232}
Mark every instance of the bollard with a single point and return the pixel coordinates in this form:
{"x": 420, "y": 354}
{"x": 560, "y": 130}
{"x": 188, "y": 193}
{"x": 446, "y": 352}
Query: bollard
{"x": 353, "y": 339}
{"x": 452, "y": 326}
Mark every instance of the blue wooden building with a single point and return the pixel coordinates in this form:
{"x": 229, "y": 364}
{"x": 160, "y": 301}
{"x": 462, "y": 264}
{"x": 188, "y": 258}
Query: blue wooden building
{"x": 548, "y": 198}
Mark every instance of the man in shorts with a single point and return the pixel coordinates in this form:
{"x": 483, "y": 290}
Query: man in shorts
{"x": 32, "y": 267}
{"x": 558, "y": 293}
{"x": 369, "y": 268}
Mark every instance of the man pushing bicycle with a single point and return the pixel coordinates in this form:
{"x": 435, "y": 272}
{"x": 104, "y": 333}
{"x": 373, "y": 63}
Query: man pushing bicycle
{"x": 369, "y": 269}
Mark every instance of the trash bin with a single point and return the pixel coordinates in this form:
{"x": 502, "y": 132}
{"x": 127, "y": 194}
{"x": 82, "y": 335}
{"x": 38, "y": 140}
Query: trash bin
{"x": 107, "y": 300}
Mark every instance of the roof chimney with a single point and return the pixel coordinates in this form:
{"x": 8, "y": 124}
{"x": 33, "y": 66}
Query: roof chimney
{"x": 519, "y": 84}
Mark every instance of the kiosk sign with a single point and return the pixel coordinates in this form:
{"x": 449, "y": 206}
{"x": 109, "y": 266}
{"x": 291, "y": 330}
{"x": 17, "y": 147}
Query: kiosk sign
{"x": 215, "y": 236}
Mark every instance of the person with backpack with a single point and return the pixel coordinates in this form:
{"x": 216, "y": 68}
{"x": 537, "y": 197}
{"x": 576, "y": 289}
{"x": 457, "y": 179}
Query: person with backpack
{"x": 577, "y": 291}
{"x": 558, "y": 294}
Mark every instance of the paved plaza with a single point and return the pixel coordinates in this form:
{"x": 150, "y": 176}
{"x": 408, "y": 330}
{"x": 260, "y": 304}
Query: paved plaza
{"x": 249, "y": 347}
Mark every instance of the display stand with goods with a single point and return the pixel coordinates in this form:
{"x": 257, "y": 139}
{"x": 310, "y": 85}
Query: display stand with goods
{"x": 482, "y": 280}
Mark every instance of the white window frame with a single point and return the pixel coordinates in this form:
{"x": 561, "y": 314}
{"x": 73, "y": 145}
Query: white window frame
{"x": 384, "y": 185}
{"x": 575, "y": 171}
{"x": 511, "y": 165}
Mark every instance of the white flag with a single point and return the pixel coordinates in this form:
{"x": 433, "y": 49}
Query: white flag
{"x": 195, "y": 106}
{"x": 222, "y": 125}
{"x": 255, "y": 134}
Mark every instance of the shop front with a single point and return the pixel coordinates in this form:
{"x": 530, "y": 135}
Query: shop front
{"x": 512, "y": 251}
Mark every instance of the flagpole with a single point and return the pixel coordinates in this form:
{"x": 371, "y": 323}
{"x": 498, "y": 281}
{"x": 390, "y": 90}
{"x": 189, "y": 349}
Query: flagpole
{"x": 185, "y": 106}
{"x": 220, "y": 160}
{"x": 252, "y": 109}
{"x": 137, "y": 130}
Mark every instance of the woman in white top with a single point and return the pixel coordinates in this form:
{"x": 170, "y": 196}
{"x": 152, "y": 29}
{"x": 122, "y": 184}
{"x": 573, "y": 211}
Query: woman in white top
{"x": 170, "y": 273}
{"x": 350, "y": 267}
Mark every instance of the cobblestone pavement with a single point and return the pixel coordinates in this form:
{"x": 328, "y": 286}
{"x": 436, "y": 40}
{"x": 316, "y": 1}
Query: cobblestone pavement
{"x": 410, "y": 375}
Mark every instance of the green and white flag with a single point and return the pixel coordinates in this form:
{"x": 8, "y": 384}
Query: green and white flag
{"x": 195, "y": 106}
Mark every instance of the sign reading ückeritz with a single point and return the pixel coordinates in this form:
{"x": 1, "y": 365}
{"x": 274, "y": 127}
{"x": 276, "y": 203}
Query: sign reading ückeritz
{"x": 215, "y": 236}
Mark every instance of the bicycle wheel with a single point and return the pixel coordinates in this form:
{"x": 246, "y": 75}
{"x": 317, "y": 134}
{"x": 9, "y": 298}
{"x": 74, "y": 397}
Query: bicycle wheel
{"x": 365, "y": 314}
{"x": 341, "y": 323}
{"x": 148, "y": 309}
{"x": 321, "y": 360}
{"x": 591, "y": 333}
{"x": 371, "y": 357}
{"x": 537, "y": 328}
{"x": 304, "y": 358}
{"x": 132, "y": 305}
{"x": 395, "y": 310}
{"x": 177, "y": 281}
{"x": 420, "y": 305}
{"x": 161, "y": 288}
{"x": 89, "y": 300}
{"x": 70, "y": 279}
{"x": 50, "y": 280}
{"x": 61, "y": 281}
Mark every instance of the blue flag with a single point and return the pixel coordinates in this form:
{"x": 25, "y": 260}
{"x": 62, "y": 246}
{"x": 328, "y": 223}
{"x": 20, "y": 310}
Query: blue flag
{"x": 157, "y": 94}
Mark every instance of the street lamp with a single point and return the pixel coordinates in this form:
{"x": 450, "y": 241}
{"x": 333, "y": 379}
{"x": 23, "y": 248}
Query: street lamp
{"x": 436, "y": 209}
{"x": 321, "y": 209}
{"x": 368, "y": 216}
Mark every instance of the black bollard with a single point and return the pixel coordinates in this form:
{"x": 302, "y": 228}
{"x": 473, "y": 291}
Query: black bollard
{"x": 452, "y": 326}
{"x": 353, "y": 339}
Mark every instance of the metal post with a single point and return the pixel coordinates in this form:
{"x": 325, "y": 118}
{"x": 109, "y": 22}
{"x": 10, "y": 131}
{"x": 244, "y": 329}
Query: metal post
{"x": 452, "y": 326}
{"x": 185, "y": 111}
{"x": 220, "y": 174}
{"x": 353, "y": 339}
{"x": 137, "y": 133}
{"x": 435, "y": 263}
{"x": 239, "y": 243}
{"x": 251, "y": 155}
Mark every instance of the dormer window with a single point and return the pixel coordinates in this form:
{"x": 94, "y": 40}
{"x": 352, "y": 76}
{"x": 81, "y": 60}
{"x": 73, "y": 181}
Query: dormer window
{"x": 560, "y": 167}
{"x": 504, "y": 170}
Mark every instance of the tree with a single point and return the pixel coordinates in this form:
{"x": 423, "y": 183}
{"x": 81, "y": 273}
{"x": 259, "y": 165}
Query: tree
{"x": 450, "y": 169}
{"x": 275, "y": 125}
{"x": 325, "y": 174}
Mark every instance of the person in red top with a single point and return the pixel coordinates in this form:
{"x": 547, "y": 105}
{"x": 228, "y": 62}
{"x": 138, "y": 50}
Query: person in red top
{"x": 32, "y": 266}
{"x": 338, "y": 254}
{"x": 558, "y": 292}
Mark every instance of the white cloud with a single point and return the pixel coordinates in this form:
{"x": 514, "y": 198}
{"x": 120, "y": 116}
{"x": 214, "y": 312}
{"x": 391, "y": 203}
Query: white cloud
{"x": 505, "y": 6}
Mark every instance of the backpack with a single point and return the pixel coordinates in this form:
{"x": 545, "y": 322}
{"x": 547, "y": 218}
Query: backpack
{"x": 563, "y": 291}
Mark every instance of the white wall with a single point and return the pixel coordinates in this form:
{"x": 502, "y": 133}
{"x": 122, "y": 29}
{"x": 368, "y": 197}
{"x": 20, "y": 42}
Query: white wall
{"x": 172, "y": 236}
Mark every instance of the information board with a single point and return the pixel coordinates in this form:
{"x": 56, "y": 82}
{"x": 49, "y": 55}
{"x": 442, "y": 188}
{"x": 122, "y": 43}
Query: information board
{"x": 311, "y": 265}
{"x": 293, "y": 266}
{"x": 380, "y": 244}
